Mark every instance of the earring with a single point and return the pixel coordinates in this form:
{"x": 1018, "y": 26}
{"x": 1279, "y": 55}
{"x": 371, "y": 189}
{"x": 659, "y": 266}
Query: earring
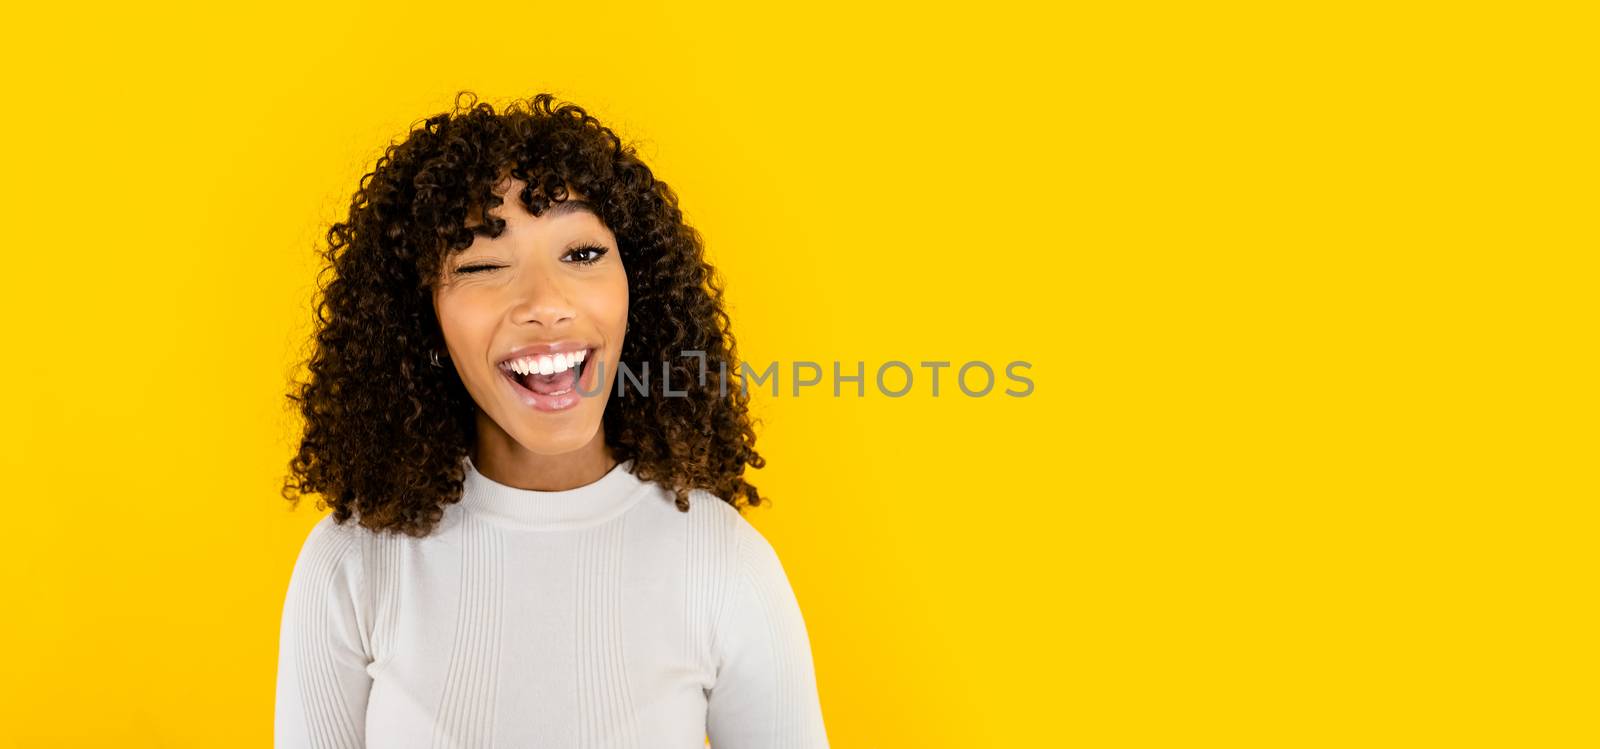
{"x": 433, "y": 357}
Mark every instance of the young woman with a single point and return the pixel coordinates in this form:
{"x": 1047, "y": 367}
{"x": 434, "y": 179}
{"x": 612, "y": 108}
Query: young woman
{"x": 516, "y": 554}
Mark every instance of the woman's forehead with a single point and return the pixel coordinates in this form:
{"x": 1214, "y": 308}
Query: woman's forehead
{"x": 568, "y": 217}
{"x": 511, "y": 208}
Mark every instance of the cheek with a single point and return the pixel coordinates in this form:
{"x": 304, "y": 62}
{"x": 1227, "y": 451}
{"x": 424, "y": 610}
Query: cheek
{"x": 609, "y": 304}
{"x": 622, "y": 307}
{"x": 460, "y": 320}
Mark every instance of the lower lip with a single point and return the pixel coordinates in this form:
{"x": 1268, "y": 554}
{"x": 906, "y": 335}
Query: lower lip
{"x": 541, "y": 402}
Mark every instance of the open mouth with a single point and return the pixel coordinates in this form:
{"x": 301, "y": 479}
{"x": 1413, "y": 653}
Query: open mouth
{"x": 548, "y": 374}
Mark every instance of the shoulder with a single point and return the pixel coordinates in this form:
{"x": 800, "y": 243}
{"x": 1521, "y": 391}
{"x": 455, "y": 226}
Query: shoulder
{"x": 755, "y": 557}
{"x": 330, "y": 556}
{"x": 740, "y": 540}
{"x": 749, "y": 563}
{"x": 723, "y": 545}
{"x": 760, "y": 616}
{"x": 326, "y": 615}
{"x": 720, "y": 537}
{"x": 708, "y": 518}
{"x": 331, "y": 538}
{"x": 744, "y": 543}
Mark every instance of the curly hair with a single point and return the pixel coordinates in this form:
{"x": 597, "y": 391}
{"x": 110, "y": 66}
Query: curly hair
{"x": 385, "y": 433}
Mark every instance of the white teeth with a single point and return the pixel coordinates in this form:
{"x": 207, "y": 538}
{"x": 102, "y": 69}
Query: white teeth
{"x": 546, "y": 364}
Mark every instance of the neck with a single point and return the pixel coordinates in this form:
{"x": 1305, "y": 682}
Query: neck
{"x": 503, "y": 459}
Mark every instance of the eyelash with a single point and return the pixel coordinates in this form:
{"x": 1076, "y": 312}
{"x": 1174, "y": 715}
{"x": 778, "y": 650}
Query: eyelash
{"x": 599, "y": 252}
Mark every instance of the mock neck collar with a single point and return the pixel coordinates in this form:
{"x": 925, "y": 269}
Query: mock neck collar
{"x": 586, "y": 505}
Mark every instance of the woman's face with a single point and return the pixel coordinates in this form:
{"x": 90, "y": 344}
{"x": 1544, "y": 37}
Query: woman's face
{"x": 549, "y": 285}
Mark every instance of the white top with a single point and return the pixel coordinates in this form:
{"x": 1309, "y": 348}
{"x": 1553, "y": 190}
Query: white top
{"x": 594, "y": 617}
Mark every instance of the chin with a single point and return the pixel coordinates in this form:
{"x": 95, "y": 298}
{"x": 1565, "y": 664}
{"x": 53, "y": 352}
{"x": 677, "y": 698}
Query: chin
{"x": 554, "y": 436}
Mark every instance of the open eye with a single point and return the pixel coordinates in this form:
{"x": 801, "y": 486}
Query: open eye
{"x": 588, "y": 254}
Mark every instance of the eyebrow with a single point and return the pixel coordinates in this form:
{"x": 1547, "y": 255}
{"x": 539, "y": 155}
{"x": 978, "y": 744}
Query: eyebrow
{"x": 571, "y": 205}
{"x": 567, "y": 207}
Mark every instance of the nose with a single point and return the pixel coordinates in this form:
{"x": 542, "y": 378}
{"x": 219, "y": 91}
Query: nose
{"x": 546, "y": 303}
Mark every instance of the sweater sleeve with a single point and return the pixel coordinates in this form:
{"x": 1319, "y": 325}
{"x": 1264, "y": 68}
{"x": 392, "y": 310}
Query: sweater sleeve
{"x": 765, "y": 692}
{"x": 322, "y": 659}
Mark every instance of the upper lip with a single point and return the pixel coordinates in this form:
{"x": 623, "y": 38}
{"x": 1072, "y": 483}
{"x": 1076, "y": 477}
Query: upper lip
{"x": 536, "y": 349}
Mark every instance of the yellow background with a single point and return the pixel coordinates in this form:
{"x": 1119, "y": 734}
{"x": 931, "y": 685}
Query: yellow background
{"x": 1308, "y": 291}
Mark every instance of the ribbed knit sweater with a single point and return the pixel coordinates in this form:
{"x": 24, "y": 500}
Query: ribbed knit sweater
{"x": 594, "y": 617}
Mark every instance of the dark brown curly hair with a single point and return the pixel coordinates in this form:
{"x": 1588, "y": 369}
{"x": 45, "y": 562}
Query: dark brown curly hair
{"x": 386, "y": 433}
